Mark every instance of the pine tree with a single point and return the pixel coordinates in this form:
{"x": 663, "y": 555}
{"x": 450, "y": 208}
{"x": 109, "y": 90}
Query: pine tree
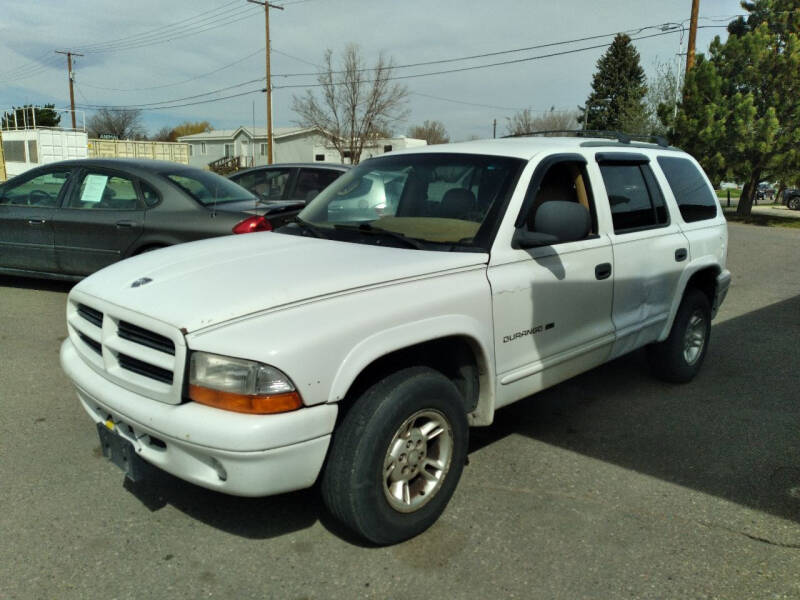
{"x": 618, "y": 89}
{"x": 740, "y": 114}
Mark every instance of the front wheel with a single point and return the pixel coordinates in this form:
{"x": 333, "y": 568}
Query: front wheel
{"x": 679, "y": 358}
{"x": 397, "y": 456}
{"x": 794, "y": 203}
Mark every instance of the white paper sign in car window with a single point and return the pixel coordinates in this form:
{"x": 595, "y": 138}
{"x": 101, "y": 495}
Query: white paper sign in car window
{"x": 93, "y": 188}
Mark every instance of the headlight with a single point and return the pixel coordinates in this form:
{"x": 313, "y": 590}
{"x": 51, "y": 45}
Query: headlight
{"x": 240, "y": 385}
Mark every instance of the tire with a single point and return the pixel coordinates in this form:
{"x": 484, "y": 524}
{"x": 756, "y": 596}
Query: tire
{"x": 793, "y": 203}
{"x": 679, "y": 358}
{"x": 375, "y": 480}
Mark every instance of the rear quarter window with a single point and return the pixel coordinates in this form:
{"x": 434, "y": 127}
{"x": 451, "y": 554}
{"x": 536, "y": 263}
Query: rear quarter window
{"x": 690, "y": 188}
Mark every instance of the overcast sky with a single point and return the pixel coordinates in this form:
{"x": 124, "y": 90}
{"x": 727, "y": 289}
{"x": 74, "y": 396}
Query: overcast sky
{"x": 130, "y": 46}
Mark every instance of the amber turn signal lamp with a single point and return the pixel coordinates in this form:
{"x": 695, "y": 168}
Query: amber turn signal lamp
{"x": 241, "y": 403}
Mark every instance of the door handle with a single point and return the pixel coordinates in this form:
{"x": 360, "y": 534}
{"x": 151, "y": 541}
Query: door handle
{"x": 125, "y": 224}
{"x": 681, "y": 254}
{"x": 37, "y": 221}
{"x": 602, "y": 271}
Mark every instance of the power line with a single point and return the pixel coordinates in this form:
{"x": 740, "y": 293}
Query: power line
{"x": 152, "y": 104}
{"x": 174, "y": 35}
{"x": 239, "y": 95}
{"x": 162, "y": 27}
{"x": 485, "y": 54}
{"x": 162, "y": 34}
{"x": 24, "y": 73}
{"x": 466, "y": 103}
{"x": 297, "y": 58}
{"x": 166, "y": 85}
{"x": 485, "y": 66}
{"x": 198, "y": 19}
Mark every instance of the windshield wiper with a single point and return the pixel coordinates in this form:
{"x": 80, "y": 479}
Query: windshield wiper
{"x": 367, "y": 228}
{"x": 306, "y": 226}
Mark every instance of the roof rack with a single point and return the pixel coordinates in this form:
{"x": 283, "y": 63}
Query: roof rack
{"x": 623, "y": 138}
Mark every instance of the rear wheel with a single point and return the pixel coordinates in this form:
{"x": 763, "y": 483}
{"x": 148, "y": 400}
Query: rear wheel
{"x": 680, "y": 356}
{"x": 794, "y": 203}
{"x": 397, "y": 456}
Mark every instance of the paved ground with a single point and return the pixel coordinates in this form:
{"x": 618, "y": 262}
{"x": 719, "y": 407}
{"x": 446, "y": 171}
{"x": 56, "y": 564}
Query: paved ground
{"x": 609, "y": 486}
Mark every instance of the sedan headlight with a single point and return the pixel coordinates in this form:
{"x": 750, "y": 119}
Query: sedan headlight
{"x": 240, "y": 385}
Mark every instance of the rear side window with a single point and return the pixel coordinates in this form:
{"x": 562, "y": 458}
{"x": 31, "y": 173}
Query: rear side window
{"x": 311, "y": 182}
{"x": 150, "y": 195}
{"x": 105, "y": 191}
{"x": 635, "y": 198}
{"x": 691, "y": 191}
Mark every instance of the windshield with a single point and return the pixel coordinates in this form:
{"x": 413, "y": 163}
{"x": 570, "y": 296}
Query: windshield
{"x": 435, "y": 198}
{"x": 208, "y": 188}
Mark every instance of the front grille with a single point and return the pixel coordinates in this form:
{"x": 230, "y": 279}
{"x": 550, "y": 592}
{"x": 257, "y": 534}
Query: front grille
{"x": 95, "y": 317}
{"x": 135, "y": 351}
{"x": 96, "y": 346}
{"x": 145, "y": 369}
{"x": 138, "y": 335}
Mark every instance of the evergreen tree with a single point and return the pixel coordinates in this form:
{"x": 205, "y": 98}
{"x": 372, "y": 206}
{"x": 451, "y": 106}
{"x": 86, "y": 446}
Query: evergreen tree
{"x": 43, "y": 116}
{"x": 740, "y": 114}
{"x": 618, "y": 89}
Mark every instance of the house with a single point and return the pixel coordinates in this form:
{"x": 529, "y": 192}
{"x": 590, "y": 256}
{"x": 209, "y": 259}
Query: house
{"x": 325, "y": 152}
{"x": 290, "y": 144}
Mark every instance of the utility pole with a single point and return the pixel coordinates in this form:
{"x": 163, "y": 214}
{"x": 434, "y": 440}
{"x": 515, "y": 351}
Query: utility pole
{"x": 71, "y": 80}
{"x": 267, "y": 6}
{"x": 494, "y": 128}
{"x": 692, "y": 35}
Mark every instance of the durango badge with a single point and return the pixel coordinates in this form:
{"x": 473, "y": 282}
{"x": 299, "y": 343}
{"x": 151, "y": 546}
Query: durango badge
{"x": 141, "y": 281}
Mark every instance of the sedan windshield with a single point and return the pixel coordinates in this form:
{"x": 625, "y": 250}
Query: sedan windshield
{"x": 437, "y": 198}
{"x": 208, "y": 188}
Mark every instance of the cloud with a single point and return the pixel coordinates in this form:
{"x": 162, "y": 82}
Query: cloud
{"x": 411, "y": 31}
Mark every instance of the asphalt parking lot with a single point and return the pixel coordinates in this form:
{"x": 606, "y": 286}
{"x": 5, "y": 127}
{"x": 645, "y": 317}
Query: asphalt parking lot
{"x": 611, "y": 485}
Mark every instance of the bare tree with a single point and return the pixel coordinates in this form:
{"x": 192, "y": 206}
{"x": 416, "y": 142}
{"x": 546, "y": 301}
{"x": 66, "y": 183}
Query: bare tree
{"x": 432, "y": 132}
{"x": 552, "y": 120}
{"x": 122, "y": 124}
{"x": 357, "y": 103}
{"x": 521, "y": 122}
{"x": 163, "y": 134}
{"x": 661, "y": 99}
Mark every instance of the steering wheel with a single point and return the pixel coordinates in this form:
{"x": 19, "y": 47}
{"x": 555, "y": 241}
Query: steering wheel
{"x": 36, "y": 197}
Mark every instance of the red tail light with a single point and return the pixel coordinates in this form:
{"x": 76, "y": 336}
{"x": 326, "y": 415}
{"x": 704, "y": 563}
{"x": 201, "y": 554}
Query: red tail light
{"x": 251, "y": 224}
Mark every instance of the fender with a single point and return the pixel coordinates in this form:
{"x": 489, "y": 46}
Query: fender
{"x": 409, "y": 334}
{"x": 695, "y": 266}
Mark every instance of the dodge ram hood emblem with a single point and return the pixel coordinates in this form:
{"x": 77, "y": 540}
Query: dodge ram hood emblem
{"x": 141, "y": 281}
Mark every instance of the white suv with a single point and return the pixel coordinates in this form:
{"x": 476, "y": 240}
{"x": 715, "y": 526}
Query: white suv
{"x": 360, "y": 351}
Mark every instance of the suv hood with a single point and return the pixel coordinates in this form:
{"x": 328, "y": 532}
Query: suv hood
{"x": 199, "y": 284}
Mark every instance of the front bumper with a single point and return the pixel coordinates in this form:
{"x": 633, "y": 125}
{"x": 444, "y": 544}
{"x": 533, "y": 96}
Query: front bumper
{"x": 238, "y": 454}
{"x": 723, "y": 284}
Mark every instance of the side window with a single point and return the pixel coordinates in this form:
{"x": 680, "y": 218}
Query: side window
{"x": 636, "y": 201}
{"x": 150, "y": 195}
{"x": 275, "y": 184}
{"x": 100, "y": 191}
{"x": 311, "y": 182}
{"x": 254, "y": 182}
{"x": 42, "y": 190}
{"x": 566, "y": 182}
{"x": 695, "y": 200}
